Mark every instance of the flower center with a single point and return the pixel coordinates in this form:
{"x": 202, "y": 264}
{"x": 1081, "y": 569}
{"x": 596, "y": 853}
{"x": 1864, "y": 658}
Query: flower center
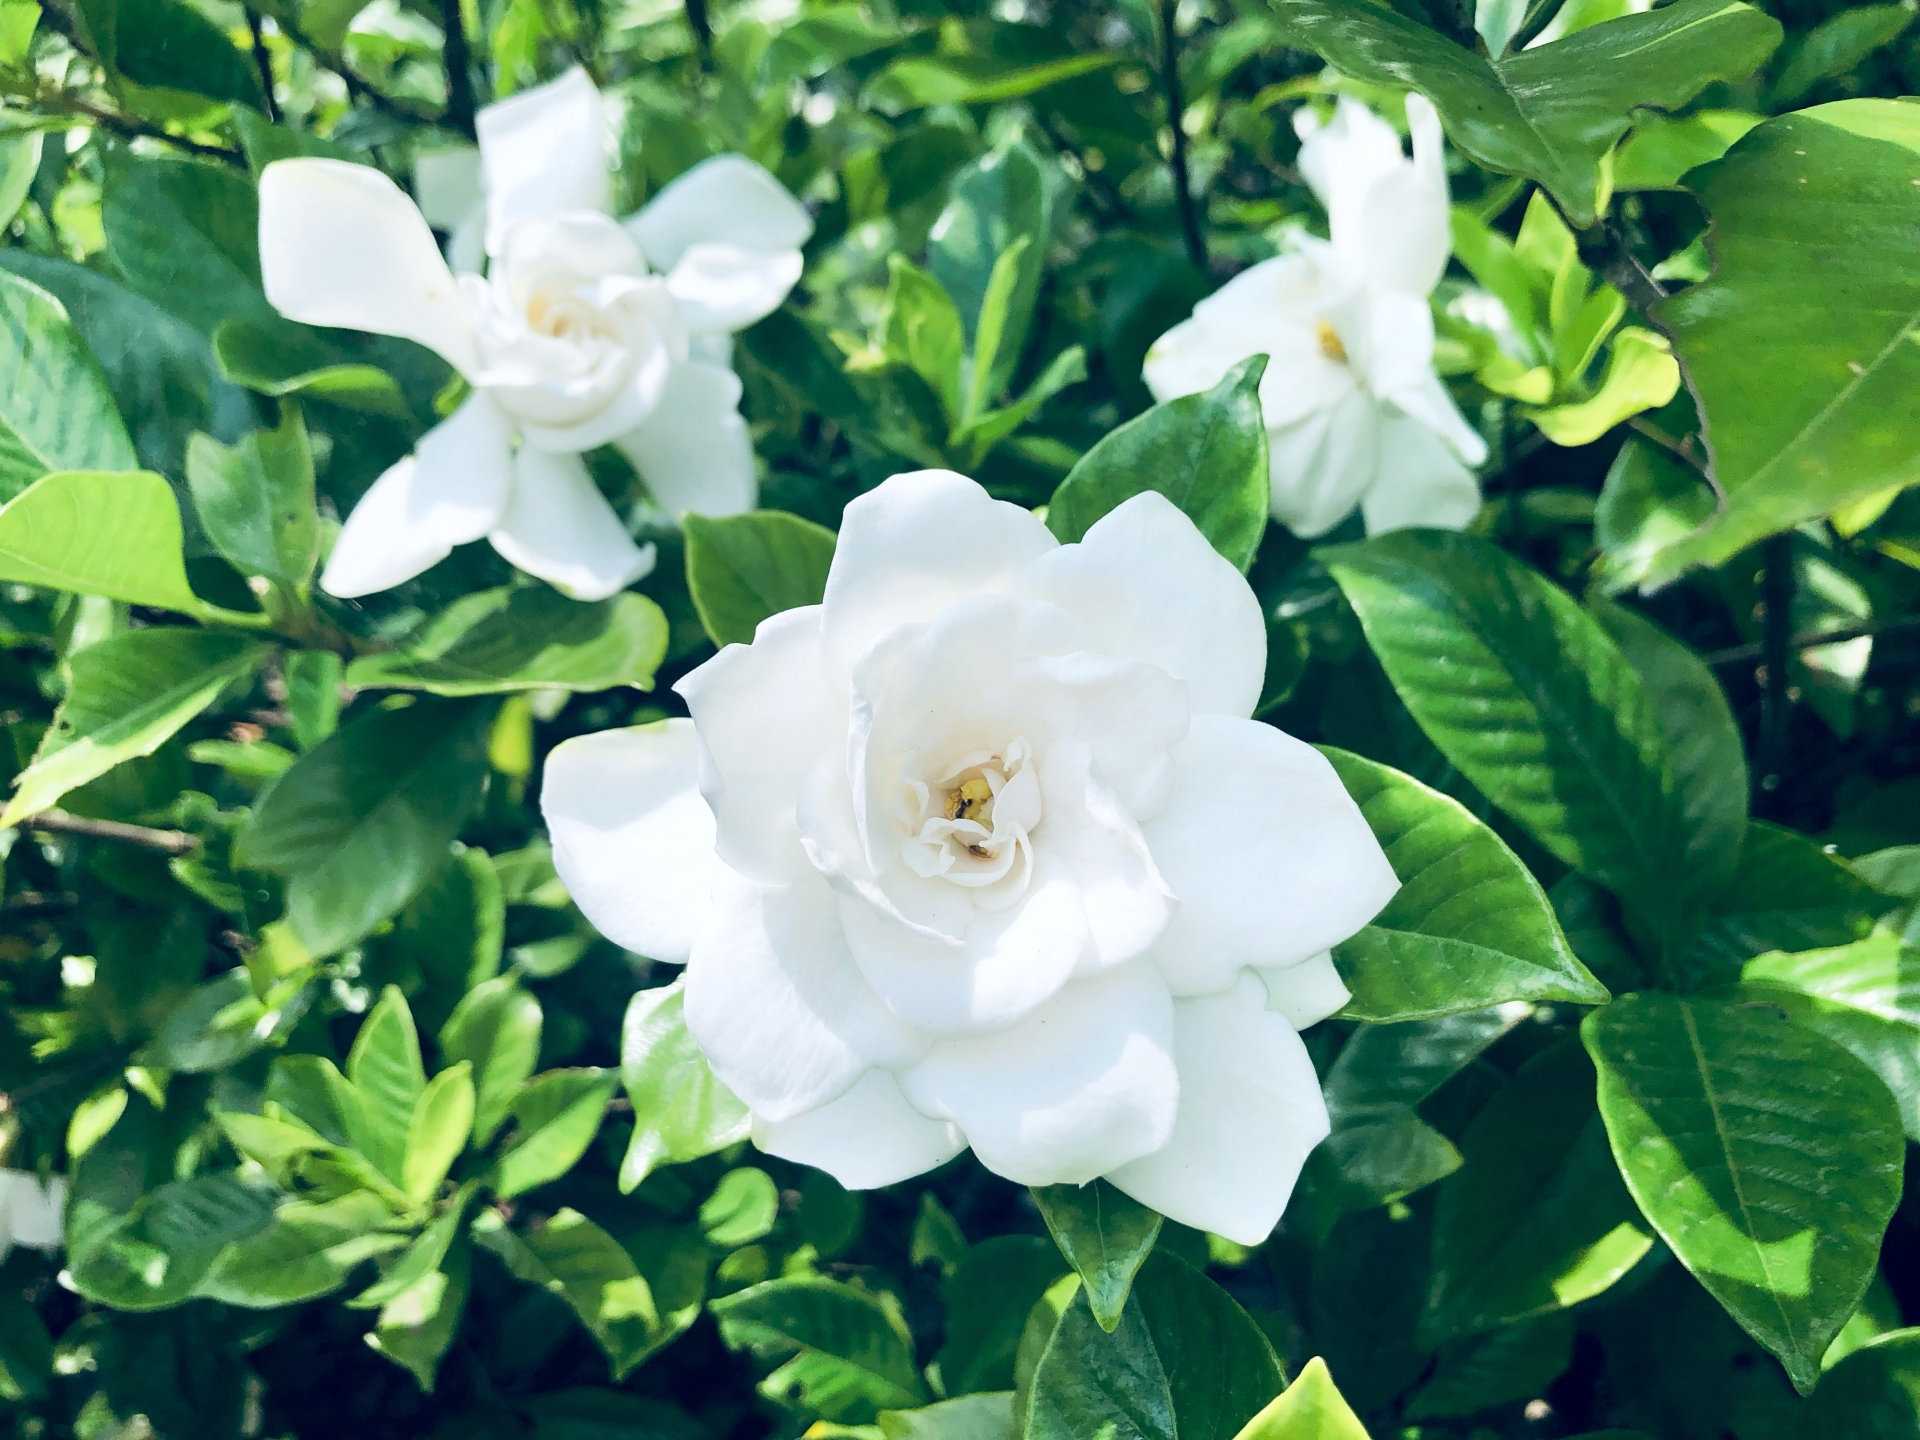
{"x": 973, "y": 801}
{"x": 566, "y": 317}
{"x": 1329, "y": 339}
{"x": 967, "y": 819}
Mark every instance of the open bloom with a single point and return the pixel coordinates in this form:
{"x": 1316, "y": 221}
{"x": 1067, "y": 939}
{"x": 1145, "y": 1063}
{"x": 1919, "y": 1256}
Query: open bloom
{"x": 584, "y": 331}
{"x": 984, "y": 850}
{"x": 30, "y": 1210}
{"x": 1355, "y": 413}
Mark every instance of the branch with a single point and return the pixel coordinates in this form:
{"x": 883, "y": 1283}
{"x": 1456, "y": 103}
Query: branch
{"x": 459, "y": 62}
{"x": 1620, "y": 268}
{"x": 128, "y": 128}
{"x": 263, "y": 62}
{"x": 1743, "y": 654}
{"x": 702, "y": 27}
{"x": 167, "y": 842}
{"x": 1176, "y": 113}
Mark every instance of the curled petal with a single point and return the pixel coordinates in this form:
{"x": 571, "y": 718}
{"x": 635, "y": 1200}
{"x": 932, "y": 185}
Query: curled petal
{"x": 727, "y": 200}
{"x": 727, "y": 287}
{"x": 693, "y": 449}
{"x": 560, "y": 527}
{"x": 1421, "y": 482}
{"x": 1320, "y": 466}
{"x": 342, "y": 245}
{"x": 452, "y": 489}
{"x": 542, "y": 153}
{"x": 1250, "y": 1113}
{"x": 632, "y": 839}
{"x": 867, "y": 1138}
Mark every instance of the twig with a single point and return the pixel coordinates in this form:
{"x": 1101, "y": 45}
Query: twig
{"x": 1743, "y": 654}
{"x": 702, "y": 27}
{"x": 38, "y": 902}
{"x": 1176, "y": 114}
{"x": 1776, "y": 640}
{"x": 128, "y": 128}
{"x": 356, "y": 87}
{"x": 263, "y": 62}
{"x": 1620, "y": 268}
{"x": 459, "y": 62}
{"x": 167, "y": 842}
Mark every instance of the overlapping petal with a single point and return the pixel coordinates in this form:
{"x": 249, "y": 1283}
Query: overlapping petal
{"x": 542, "y": 153}
{"x": 559, "y": 527}
{"x": 867, "y": 1138}
{"x": 693, "y": 448}
{"x": 727, "y": 200}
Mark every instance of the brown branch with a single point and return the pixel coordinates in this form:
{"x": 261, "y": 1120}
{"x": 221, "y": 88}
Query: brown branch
{"x": 459, "y": 62}
{"x": 1743, "y": 654}
{"x": 167, "y": 842}
{"x": 128, "y": 128}
{"x": 1176, "y": 114}
{"x": 263, "y": 62}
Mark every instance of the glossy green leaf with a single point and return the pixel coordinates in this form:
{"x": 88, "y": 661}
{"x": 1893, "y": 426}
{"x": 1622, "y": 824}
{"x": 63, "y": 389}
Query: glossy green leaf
{"x": 1550, "y": 113}
{"x": 1469, "y": 927}
{"x": 416, "y": 1327}
{"x": 364, "y": 819}
{"x": 422, "y": 1257}
{"x": 680, "y": 1110}
{"x": 385, "y": 1071}
{"x": 442, "y": 1121}
{"x": 574, "y": 1258}
{"x": 1536, "y": 1219}
{"x": 153, "y": 1255}
{"x": 1311, "y": 1408}
{"x": 307, "y": 1251}
{"x": 169, "y": 45}
{"x": 995, "y": 201}
{"x": 1105, "y": 1235}
{"x": 987, "y": 1299}
{"x": 223, "y": 1021}
{"x": 747, "y": 567}
{"x": 99, "y": 533}
{"x": 1207, "y": 453}
{"x": 1663, "y": 148}
{"x": 127, "y": 696}
{"x": 56, "y": 412}
{"x": 915, "y": 80}
{"x": 1766, "y": 1156}
{"x": 1873, "y": 1394}
{"x": 1185, "y": 1362}
{"x": 255, "y": 500}
{"x": 1797, "y": 366}
{"x": 855, "y": 1354}
{"x": 555, "y": 1117}
{"x": 1788, "y": 893}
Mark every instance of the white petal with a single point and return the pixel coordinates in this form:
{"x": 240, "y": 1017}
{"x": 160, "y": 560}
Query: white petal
{"x": 914, "y": 545}
{"x": 1342, "y": 158}
{"x": 452, "y": 489}
{"x": 777, "y": 1004}
{"x": 1420, "y": 482}
{"x": 1250, "y": 1113}
{"x": 560, "y": 527}
{"x": 726, "y": 200}
{"x": 1197, "y": 618}
{"x": 693, "y": 450}
{"x": 767, "y": 712}
{"x": 1319, "y": 467}
{"x": 447, "y": 186}
{"x": 1269, "y": 856}
{"x": 728, "y": 287}
{"x": 1306, "y": 993}
{"x": 542, "y": 153}
{"x": 1187, "y": 359}
{"x": 1267, "y": 309}
{"x": 632, "y": 839}
{"x": 867, "y": 1138}
{"x": 1404, "y": 220}
{"x": 342, "y": 245}
{"x": 30, "y": 1213}
{"x": 1084, "y": 1084}
{"x": 1089, "y": 833}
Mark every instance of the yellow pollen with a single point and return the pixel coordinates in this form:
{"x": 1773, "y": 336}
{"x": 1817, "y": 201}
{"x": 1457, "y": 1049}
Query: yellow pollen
{"x": 1329, "y": 339}
{"x": 961, "y": 803}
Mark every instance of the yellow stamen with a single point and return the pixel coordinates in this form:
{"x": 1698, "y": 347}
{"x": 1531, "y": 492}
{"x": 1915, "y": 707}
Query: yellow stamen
{"x": 1329, "y": 339}
{"x": 961, "y": 803}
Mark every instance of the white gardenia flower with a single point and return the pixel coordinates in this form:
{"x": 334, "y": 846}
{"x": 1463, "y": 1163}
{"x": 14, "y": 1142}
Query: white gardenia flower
{"x": 30, "y": 1210}
{"x": 1355, "y": 413}
{"x": 584, "y": 331}
{"x": 984, "y": 850}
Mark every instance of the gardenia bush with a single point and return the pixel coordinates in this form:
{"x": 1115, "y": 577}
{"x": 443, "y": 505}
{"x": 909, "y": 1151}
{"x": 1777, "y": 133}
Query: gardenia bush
{"x": 1179, "y": 722}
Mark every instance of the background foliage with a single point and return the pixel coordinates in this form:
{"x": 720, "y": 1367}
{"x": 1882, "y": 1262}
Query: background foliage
{"x": 358, "y": 1139}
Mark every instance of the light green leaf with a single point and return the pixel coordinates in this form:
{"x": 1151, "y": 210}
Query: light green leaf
{"x": 1469, "y": 927}
{"x": 1311, "y": 1408}
{"x": 154, "y": 1253}
{"x": 990, "y": 329}
{"x": 915, "y": 81}
{"x": 987, "y": 1300}
{"x": 306, "y": 1252}
{"x": 680, "y": 1110}
{"x": 527, "y": 637}
{"x": 1641, "y": 375}
{"x": 1766, "y": 1156}
{"x": 256, "y": 501}
{"x": 385, "y": 1071}
{"x": 1662, "y": 148}
{"x": 422, "y": 1257}
{"x": 364, "y": 819}
{"x": 971, "y": 1417}
{"x": 56, "y": 412}
{"x": 99, "y": 533}
{"x": 280, "y": 360}
{"x": 745, "y": 568}
{"x": 1551, "y": 112}
{"x": 922, "y": 331}
{"x": 416, "y": 1327}
{"x": 127, "y": 696}
{"x": 574, "y": 1258}
{"x": 1797, "y": 411}
{"x": 1105, "y": 1235}
{"x": 856, "y": 1355}
{"x": 743, "y": 1208}
{"x": 556, "y": 1117}
{"x": 1001, "y": 198}
{"x": 1206, "y": 453}
{"x": 222, "y": 1021}
{"x": 442, "y": 1121}
{"x": 496, "y": 1029}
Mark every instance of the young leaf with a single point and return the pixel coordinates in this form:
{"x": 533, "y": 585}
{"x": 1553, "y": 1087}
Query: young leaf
{"x": 1001, "y": 198}
{"x": 1105, "y": 1235}
{"x": 987, "y": 1299}
{"x": 116, "y": 535}
{"x": 1311, "y": 1408}
{"x": 1184, "y": 1361}
{"x": 1469, "y": 927}
{"x": 557, "y": 1117}
{"x": 422, "y": 1257}
{"x": 496, "y": 1029}
{"x": 680, "y": 1111}
{"x": 574, "y": 1258}
{"x": 385, "y": 1071}
{"x": 1767, "y": 1157}
{"x": 442, "y": 1121}
{"x": 1641, "y": 375}
{"x": 856, "y": 1355}
{"x": 256, "y": 501}
{"x": 1206, "y": 453}
{"x": 922, "y": 331}
{"x": 745, "y": 568}
{"x": 56, "y": 412}
{"x": 416, "y": 1326}
{"x": 127, "y": 696}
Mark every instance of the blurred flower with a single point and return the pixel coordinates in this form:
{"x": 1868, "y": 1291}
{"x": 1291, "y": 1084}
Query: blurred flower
{"x": 984, "y": 850}
{"x": 30, "y": 1210}
{"x": 1355, "y": 413}
{"x": 584, "y": 331}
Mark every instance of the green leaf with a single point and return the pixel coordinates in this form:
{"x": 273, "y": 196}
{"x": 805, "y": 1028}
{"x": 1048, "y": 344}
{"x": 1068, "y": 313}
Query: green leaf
{"x": 364, "y": 819}
{"x": 1663, "y": 148}
{"x": 26, "y": 1348}
{"x": 971, "y": 1417}
{"x": 1796, "y": 409}
{"x": 1549, "y": 113}
{"x": 385, "y": 1071}
{"x": 527, "y": 637}
{"x": 1535, "y": 704}
{"x": 1311, "y": 1408}
{"x": 184, "y": 234}
{"x": 1641, "y": 375}
{"x": 442, "y": 1121}
{"x": 1186, "y": 1363}
{"x": 1835, "y": 46}
{"x": 255, "y": 500}
{"x": 306, "y": 1252}
{"x": 495, "y": 1029}
{"x": 995, "y": 201}
{"x": 856, "y": 1355}
{"x": 97, "y": 533}
{"x": 169, "y": 45}
{"x": 990, "y": 329}
{"x": 1497, "y": 1368}
{"x": 1788, "y": 893}
{"x": 922, "y": 330}
{"x": 1873, "y": 1394}
{"x": 987, "y": 1299}
{"x": 450, "y": 935}
{"x": 574, "y": 1258}
{"x": 223, "y": 1021}
{"x": 56, "y": 412}
{"x": 127, "y": 696}
{"x": 1469, "y": 927}
{"x": 1105, "y": 1235}
{"x": 1767, "y": 1157}
{"x": 1206, "y": 453}
{"x": 919, "y": 80}
{"x": 416, "y": 1327}
{"x": 745, "y": 568}
{"x": 1650, "y": 501}
{"x": 281, "y": 360}
{"x": 743, "y": 1208}
{"x": 154, "y": 1253}
{"x": 314, "y": 678}
{"x": 680, "y": 1110}
{"x": 556, "y": 1118}
{"x": 425, "y": 1255}
{"x": 1536, "y": 1219}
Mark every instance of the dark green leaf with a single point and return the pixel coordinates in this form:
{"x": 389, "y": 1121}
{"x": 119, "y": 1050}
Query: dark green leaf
{"x": 1873, "y": 1394}
{"x": 856, "y": 1357}
{"x": 987, "y": 1299}
{"x": 747, "y": 567}
{"x": 255, "y": 500}
{"x": 169, "y": 45}
{"x": 1105, "y": 1235}
{"x": 1788, "y": 894}
{"x": 184, "y": 234}
{"x": 279, "y": 359}
{"x": 56, "y": 412}
{"x": 306, "y": 1251}
{"x": 1517, "y": 1362}
{"x": 1834, "y": 46}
